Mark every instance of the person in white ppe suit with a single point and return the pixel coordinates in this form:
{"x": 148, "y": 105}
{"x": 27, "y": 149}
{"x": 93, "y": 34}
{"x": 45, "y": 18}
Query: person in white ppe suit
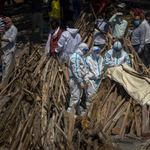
{"x": 116, "y": 56}
{"x": 94, "y": 67}
{"x": 76, "y": 70}
{"x": 68, "y": 42}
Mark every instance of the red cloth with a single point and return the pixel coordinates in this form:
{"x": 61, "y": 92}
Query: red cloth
{"x": 1, "y": 7}
{"x": 54, "y": 42}
{"x": 98, "y": 7}
{"x": 138, "y": 12}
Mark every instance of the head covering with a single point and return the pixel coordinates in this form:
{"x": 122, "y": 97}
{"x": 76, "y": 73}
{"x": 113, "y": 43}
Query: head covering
{"x": 117, "y": 46}
{"x": 96, "y": 52}
{"x": 7, "y": 23}
{"x": 82, "y": 49}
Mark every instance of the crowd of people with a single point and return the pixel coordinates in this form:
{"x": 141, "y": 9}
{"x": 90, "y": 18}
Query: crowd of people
{"x": 83, "y": 70}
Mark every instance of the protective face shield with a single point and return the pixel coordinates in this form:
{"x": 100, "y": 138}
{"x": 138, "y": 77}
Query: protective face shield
{"x": 84, "y": 48}
{"x": 96, "y": 52}
{"x": 119, "y": 19}
{"x": 117, "y": 47}
{"x": 136, "y": 22}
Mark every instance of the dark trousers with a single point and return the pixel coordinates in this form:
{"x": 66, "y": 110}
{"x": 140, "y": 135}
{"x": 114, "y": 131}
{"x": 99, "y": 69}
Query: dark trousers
{"x": 145, "y": 55}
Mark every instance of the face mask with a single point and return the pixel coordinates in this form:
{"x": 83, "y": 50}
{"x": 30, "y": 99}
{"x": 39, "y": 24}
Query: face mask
{"x": 96, "y": 55}
{"x": 100, "y": 20}
{"x": 119, "y": 19}
{"x": 136, "y": 22}
{"x": 84, "y": 52}
{"x": 117, "y": 52}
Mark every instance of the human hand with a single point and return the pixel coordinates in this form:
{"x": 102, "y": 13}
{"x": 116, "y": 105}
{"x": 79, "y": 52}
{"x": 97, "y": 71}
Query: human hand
{"x": 82, "y": 85}
{"x": 87, "y": 82}
{"x": 138, "y": 52}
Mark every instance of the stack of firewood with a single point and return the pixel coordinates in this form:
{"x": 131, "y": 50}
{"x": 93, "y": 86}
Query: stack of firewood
{"x": 22, "y": 15}
{"x": 118, "y": 112}
{"x": 33, "y": 114}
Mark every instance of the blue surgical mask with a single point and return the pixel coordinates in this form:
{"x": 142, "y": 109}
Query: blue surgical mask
{"x": 136, "y": 22}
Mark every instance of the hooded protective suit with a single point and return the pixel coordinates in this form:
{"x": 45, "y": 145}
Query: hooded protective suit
{"x": 116, "y": 56}
{"x": 94, "y": 67}
{"x": 76, "y": 70}
{"x": 68, "y": 43}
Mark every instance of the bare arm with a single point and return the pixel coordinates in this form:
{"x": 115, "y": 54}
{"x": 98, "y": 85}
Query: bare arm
{"x": 5, "y": 40}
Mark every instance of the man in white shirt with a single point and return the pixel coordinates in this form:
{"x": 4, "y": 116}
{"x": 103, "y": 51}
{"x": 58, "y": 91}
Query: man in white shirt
{"x": 118, "y": 25}
{"x": 9, "y": 38}
{"x": 145, "y": 56}
{"x": 101, "y": 29}
{"x": 68, "y": 42}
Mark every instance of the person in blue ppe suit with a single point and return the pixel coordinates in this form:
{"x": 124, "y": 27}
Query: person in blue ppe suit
{"x": 116, "y": 56}
{"x": 94, "y": 67}
{"x": 76, "y": 70}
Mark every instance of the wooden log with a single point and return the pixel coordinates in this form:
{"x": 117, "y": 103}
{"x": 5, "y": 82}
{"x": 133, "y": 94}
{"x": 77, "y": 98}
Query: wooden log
{"x": 108, "y": 127}
{"x": 138, "y": 120}
{"x": 117, "y": 128}
{"x": 106, "y": 109}
{"x": 145, "y": 119}
{"x": 45, "y": 91}
{"x": 124, "y": 121}
{"x": 26, "y": 142}
{"x": 43, "y": 58}
{"x": 115, "y": 111}
{"x": 112, "y": 105}
{"x": 10, "y": 111}
{"x": 106, "y": 98}
{"x": 132, "y": 129}
{"x": 71, "y": 122}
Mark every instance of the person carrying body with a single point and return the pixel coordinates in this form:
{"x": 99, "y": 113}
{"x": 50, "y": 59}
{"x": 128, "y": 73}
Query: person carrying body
{"x": 68, "y": 42}
{"x": 76, "y": 70}
{"x": 116, "y": 56}
{"x": 94, "y": 67}
{"x": 9, "y": 38}
{"x": 119, "y": 25}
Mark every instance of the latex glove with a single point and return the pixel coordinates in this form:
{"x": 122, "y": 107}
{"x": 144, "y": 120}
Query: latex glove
{"x": 82, "y": 85}
{"x": 87, "y": 82}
